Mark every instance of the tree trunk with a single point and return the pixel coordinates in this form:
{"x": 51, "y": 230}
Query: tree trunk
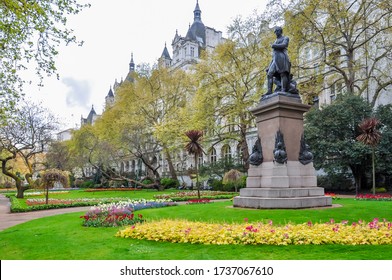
{"x": 374, "y": 170}
{"x": 197, "y": 177}
{"x": 172, "y": 170}
{"x": 244, "y": 147}
{"x": 47, "y": 195}
{"x": 18, "y": 182}
{"x": 19, "y": 188}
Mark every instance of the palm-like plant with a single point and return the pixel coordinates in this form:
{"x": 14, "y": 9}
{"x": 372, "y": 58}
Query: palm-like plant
{"x": 193, "y": 147}
{"x": 370, "y": 136}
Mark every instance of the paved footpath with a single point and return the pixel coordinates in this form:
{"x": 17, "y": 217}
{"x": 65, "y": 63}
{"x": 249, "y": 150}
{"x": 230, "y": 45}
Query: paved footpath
{"x": 8, "y": 219}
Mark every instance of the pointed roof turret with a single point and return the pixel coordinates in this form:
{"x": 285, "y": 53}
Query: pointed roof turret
{"x": 110, "y": 93}
{"x": 91, "y": 116}
{"x": 131, "y": 72}
{"x": 197, "y": 31}
{"x": 132, "y": 64}
{"x": 197, "y": 12}
{"x": 165, "y": 53}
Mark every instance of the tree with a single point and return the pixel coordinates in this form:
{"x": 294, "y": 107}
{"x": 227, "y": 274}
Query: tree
{"x": 230, "y": 80}
{"x": 50, "y": 176}
{"x": 26, "y": 135}
{"x": 31, "y": 32}
{"x": 193, "y": 147}
{"x": 370, "y": 136}
{"x": 350, "y": 43}
{"x": 383, "y": 152}
{"x": 148, "y": 117}
{"x": 232, "y": 178}
{"x": 331, "y": 133}
{"x": 93, "y": 150}
{"x": 58, "y": 156}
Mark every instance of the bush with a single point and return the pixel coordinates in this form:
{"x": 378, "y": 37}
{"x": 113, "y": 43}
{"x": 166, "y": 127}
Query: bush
{"x": 87, "y": 184}
{"x": 168, "y": 183}
{"x": 381, "y": 190}
{"x": 217, "y": 185}
{"x": 335, "y": 182}
{"x": 235, "y": 186}
{"x": 8, "y": 185}
{"x": 147, "y": 181}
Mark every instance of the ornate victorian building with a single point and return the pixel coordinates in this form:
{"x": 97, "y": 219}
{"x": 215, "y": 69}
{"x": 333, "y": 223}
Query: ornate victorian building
{"x": 186, "y": 52}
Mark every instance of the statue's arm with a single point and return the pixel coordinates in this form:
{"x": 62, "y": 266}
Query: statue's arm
{"x": 282, "y": 45}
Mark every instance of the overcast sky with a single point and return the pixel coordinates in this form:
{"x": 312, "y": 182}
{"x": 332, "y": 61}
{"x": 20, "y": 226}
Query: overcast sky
{"x": 111, "y": 31}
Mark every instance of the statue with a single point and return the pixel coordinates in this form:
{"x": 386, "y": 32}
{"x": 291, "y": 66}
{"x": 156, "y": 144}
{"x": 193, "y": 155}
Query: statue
{"x": 256, "y": 157}
{"x": 278, "y": 71}
{"x": 305, "y": 156}
{"x": 280, "y": 154}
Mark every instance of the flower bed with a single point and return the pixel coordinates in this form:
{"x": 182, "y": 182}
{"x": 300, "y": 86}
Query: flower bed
{"x": 189, "y": 195}
{"x": 40, "y": 203}
{"x": 112, "y": 189}
{"x": 42, "y": 193}
{"x": 90, "y": 201}
{"x": 120, "y": 213}
{"x": 180, "y": 231}
{"x": 384, "y": 197}
{"x": 198, "y": 201}
{"x": 333, "y": 195}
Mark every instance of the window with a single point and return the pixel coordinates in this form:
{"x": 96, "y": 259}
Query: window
{"x": 212, "y": 155}
{"x": 192, "y": 52}
{"x": 226, "y": 153}
{"x": 332, "y": 93}
{"x": 200, "y": 160}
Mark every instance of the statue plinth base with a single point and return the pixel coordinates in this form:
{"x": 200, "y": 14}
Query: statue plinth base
{"x": 289, "y": 185}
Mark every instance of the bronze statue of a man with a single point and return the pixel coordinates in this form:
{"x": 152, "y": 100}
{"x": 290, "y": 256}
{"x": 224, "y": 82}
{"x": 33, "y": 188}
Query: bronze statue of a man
{"x": 280, "y": 65}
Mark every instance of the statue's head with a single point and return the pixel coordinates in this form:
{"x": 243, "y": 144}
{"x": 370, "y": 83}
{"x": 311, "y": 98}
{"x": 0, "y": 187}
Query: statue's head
{"x": 278, "y": 30}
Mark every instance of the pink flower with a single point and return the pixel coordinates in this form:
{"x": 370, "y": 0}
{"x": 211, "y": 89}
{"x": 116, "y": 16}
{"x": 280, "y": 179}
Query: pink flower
{"x": 246, "y": 220}
{"x": 249, "y": 228}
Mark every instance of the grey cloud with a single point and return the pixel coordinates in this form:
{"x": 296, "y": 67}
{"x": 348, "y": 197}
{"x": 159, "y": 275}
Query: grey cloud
{"x": 79, "y": 93}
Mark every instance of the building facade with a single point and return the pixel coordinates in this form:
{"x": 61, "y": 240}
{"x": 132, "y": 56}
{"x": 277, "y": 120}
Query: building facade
{"x": 186, "y": 52}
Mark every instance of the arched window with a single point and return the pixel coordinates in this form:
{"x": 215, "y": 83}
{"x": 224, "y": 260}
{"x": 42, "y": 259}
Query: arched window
{"x": 212, "y": 155}
{"x": 226, "y": 153}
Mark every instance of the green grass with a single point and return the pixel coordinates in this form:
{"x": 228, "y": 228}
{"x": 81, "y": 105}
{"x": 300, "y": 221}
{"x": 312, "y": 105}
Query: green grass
{"x": 62, "y": 237}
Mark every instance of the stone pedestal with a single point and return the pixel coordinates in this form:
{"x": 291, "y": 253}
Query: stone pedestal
{"x": 287, "y": 185}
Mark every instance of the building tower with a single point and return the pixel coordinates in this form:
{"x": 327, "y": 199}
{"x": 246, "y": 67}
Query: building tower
{"x": 165, "y": 59}
{"x": 131, "y": 72}
{"x": 109, "y": 99}
{"x": 91, "y": 118}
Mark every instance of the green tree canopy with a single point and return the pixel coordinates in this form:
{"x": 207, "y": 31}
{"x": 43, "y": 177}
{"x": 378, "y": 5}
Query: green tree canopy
{"x": 332, "y": 131}
{"x": 344, "y": 43}
{"x": 30, "y": 34}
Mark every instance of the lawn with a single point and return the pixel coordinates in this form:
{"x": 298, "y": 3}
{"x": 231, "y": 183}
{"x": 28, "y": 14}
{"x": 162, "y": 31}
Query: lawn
{"x": 63, "y": 237}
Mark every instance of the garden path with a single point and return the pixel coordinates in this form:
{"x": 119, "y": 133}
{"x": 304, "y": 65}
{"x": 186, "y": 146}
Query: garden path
{"x": 8, "y": 219}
